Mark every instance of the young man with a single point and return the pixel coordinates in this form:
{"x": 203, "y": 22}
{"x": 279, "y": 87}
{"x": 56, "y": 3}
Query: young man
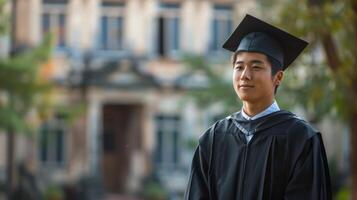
{"x": 261, "y": 152}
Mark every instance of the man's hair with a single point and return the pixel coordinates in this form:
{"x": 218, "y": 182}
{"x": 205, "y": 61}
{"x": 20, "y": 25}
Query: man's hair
{"x": 275, "y": 65}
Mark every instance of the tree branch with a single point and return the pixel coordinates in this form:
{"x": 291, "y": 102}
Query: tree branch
{"x": 333, "y": 59}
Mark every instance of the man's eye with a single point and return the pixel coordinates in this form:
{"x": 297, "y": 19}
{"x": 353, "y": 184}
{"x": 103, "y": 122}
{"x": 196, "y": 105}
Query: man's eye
{"x": 257, "y": 67}
{"x": 238, "y": 67}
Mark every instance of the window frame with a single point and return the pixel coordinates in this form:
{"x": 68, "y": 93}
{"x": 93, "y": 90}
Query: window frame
{"x": 112, "y": 12}
{"x": 54, "y": 11}
{"x": 170, "y": 13}
{"x": 52, "y": 127}
{"x": 169, "y": 132}
{"x": 222, "y": 16}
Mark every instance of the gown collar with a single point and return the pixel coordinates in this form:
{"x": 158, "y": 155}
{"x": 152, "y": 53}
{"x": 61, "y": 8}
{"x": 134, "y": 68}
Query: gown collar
{"x": 272, "y": 108}
{"x": 250, "y": 127}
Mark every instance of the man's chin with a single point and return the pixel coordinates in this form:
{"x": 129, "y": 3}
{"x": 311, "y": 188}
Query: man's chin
{"x": 244, "y": 97}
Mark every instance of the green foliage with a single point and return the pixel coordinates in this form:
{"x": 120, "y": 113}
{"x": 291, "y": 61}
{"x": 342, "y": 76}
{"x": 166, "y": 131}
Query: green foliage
{"x": 329, "y": 91}
{"x": 191, "y": 143}
{"x": 153, "y": 190}
{"x": 308, "y": 86}
{"x": 321, "y": 90}
{"x": 70, "y": 112}
{"x": 219, "y": 88}
{"x": 344, "y": 194}
{"x": 22, "y": 87}
{"x": 54, "y": 193}
{"x": 4, "y": 18}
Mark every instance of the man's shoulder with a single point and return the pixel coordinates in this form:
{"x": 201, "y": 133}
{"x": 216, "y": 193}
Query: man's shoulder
{"x": 219, "y": 126}
{"x": 293, "y": 123}
{"x": 223, "y": 124}
{"x": 301, "y": 128}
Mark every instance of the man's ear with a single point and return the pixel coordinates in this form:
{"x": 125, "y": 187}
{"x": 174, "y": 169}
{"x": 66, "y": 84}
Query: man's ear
{"x": 278, "y": 77}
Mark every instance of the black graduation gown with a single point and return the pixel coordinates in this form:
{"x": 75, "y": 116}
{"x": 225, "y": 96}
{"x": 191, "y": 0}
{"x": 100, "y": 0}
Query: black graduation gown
{"x": 285, "y": 159}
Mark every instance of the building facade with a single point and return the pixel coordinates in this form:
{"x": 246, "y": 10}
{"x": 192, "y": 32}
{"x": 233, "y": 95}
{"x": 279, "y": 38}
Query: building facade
{"x": 122, "y": 61}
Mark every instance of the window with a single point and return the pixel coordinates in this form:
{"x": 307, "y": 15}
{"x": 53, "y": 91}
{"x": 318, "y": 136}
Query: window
{"x": 221, "y": 26}
{"x": 55, "y": 1}
{"x": 54, "y": 20}
{"x": 167, "y": 138}
{"x": 52, "y": 142}
{"x": 168, "y": 33}
{"x": 112, "y": 23}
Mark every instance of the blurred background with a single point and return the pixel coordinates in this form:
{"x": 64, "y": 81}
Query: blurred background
{"x": 106, "y": 99}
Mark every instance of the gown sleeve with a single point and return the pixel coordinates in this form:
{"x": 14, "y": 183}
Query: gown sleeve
{"x": 197, "y": 187}
{"x": 309, "y": 179}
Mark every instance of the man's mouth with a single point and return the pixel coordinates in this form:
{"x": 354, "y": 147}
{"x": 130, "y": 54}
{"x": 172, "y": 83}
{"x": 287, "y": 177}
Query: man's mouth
{"x": 245, "y": 86}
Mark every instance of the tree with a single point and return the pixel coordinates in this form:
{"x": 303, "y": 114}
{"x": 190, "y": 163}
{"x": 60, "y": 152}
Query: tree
{"x": 332, "y": 26}
{"x": 22, "y": 89}
{"x": 22, "y": 86}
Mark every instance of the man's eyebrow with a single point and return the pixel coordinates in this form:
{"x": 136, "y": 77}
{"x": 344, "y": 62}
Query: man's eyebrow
{"x": 251, "y": 62}
{"x": 256, "y": 62}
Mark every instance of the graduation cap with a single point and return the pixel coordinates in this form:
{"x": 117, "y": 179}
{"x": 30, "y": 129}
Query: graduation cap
{"x": 255, "y": 35}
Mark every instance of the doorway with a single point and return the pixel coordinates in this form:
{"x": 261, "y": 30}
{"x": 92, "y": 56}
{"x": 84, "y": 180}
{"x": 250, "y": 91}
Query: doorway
{"x": 121, "y": 135}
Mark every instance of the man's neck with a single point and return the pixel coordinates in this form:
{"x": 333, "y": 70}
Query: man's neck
{"x": 252, "y": 109}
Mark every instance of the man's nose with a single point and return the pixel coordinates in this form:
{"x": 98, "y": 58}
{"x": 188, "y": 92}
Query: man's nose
{"x": 246, "y": 74}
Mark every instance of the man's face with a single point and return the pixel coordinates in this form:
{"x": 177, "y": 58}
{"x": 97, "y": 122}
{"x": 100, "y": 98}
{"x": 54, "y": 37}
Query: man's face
{"x": 252, "y": 78}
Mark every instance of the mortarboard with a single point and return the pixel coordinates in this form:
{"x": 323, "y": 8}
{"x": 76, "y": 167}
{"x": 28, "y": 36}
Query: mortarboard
{"x": 255, "y": 35}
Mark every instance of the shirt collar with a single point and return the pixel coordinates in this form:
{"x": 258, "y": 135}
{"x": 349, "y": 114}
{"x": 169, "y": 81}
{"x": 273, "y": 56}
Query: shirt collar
{"x": 272, "y": 108}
